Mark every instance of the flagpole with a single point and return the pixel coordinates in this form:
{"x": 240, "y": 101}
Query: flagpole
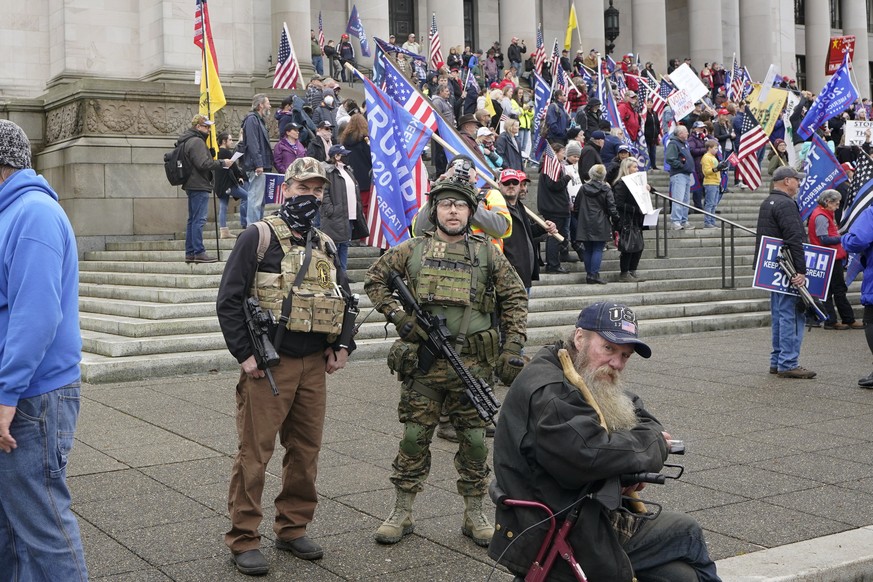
{"x": 211, "y": 128}
{"x": 489, "y": 179}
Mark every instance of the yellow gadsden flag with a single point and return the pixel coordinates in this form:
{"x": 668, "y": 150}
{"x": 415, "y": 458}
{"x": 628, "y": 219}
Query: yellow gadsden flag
{"x": 211, "y": 94}
{"x": 571, "y": 26}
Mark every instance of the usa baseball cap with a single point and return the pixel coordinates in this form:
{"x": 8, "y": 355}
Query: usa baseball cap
{"x": 614, "y": 322}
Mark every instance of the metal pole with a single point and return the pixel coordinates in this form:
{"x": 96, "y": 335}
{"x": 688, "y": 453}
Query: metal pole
{"x": 205, "y": 74}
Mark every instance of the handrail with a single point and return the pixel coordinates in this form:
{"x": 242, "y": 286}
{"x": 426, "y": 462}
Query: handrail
{"x": 724, "y": 225}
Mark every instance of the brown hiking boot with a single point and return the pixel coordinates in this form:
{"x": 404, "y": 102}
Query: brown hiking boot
{"x": 202, "y": 258}
{"x": 797, "y": 373}
{"x": 400, "y": 522}
{"x": 446, "y": 431}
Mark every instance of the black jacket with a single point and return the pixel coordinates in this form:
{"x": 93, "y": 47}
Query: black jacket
{"x": 588, "y": 121}
{"x": 361, "y": 163}
{"x": 520, "y": 247}
{"x": 202, "y": 164}
{"x": 335, "y": 207}
{"x": 226, "y": 179}
{"x": 590, "y": 156}
{"x": 513, "y": 53}
{"x": 549, "y": 447}
{"x": 595, "y": 212}
{"x": 652, "y": 127}
{"x": 236, "y": 285}
{"x": 316, "y": 149}
{"x": 779, "y": 217}
{"x": 507, "y": 146}
{"x": 553, "y": 201}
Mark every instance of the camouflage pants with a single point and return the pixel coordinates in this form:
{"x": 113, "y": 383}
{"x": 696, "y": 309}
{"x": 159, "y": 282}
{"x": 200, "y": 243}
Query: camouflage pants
{"x": 420, "y": 415}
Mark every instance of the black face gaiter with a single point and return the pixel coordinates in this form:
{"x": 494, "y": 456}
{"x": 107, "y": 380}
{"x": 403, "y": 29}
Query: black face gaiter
{"x": 299, "y": 211}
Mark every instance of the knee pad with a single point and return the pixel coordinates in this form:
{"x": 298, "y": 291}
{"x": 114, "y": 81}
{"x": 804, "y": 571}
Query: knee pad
{"x": 473, "y": 440}
{"x": 413, "y": 443}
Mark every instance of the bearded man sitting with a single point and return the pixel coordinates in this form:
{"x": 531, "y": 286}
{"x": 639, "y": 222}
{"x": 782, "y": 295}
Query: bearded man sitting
{"x": 567, "y": 431}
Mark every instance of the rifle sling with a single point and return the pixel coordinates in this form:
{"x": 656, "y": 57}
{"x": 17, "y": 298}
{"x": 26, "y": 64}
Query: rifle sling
{"x": 286, "y": 304}
{"x": 425, "y": 391}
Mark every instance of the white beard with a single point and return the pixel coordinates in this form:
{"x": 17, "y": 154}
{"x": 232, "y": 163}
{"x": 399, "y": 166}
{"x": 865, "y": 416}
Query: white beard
{"x": 608, "y": 390}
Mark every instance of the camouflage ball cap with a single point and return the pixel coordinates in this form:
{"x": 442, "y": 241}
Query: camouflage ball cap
{"x": 303, "y": 169}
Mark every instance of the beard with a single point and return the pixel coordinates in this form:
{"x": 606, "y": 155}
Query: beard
{"x": 608, "y": 390}
{"x": 452, "y": 231}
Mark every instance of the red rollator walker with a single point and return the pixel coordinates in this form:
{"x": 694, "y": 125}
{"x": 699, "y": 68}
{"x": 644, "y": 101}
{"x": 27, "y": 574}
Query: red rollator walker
{"x": 556, "y": 543}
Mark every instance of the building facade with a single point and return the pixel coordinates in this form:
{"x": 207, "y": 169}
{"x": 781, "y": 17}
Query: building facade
{"x": 103, "y": 88}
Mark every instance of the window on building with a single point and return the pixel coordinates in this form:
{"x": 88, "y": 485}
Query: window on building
{"x": 800, "y": 11}
{"x": 836, "y": 19}
{"x": 470, "y": 23}
{"x": 801, "y": 72}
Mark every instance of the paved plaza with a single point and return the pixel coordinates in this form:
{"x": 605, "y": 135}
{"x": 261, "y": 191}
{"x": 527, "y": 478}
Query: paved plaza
{"x": 770, "y": 462}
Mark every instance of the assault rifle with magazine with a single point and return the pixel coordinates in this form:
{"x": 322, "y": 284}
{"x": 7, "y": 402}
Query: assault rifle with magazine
{"x": 260, "y": 326}
{"x": 439, "y": 345}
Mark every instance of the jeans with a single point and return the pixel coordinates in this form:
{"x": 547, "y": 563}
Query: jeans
{"x": 236, "y": 192}
{"x": 342, "y": 253}
{"x": 710, "y": 202}
{"x": 787, "y": 323}
{"x": 198, "y": 206}
{"x": 671, "y": 537}
{"x": 553, "y": 247}
{"x": 524, "y": 142}
{"x": 255, "y": 211}
{"x": 39, "y": 534}
{"x": 592, "y": 255}
{"x": 680, "y": 189}
{"x": 318, "y": 64}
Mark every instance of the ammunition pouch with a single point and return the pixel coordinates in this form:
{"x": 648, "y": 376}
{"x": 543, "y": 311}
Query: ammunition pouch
{"x": 484, "y": 346}
{"x": 403, "y": 359}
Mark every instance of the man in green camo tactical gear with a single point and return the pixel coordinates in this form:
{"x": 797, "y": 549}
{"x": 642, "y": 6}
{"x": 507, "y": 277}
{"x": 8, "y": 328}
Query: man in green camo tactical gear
{"x": 462, "y": 277}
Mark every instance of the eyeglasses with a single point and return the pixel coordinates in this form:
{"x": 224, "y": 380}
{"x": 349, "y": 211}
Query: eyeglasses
{"x": 450, "y": 202}
{"x": 511, "y": 183}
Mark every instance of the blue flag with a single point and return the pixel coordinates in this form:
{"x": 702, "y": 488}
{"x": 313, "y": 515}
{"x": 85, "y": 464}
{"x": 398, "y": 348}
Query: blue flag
{"x": 823, "y": 171}
{"x": 396, "y": 140}
{"x": 836, "y": 96}
{"x": 356, "y": 29}
{"x": 542, "y": 97}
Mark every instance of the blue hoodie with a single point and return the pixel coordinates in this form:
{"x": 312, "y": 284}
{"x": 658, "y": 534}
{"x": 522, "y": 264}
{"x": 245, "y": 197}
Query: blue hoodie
{"x": 40, "y": 342}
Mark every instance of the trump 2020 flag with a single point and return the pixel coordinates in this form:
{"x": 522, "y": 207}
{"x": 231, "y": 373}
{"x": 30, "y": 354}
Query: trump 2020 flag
{"x": 823, "y": 171}
{"x": 356, "y": 29}
{"x": 836, "y": 96}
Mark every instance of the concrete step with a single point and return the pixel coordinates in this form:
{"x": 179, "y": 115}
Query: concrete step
{"x": 150, "y": 294}
{"x": 116, "y": 346}
{"x": 145, "y": 265}
{"x": 170, "y": 280}
{"x": 134, "y": 327}
{"x": 145, "y": 309}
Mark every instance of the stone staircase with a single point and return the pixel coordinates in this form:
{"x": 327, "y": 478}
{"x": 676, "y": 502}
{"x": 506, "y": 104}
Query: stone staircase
{"x": 145, "y": 313}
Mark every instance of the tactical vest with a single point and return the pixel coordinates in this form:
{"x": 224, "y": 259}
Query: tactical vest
{"x": 451, "y": 279}
{"x": 316, "y": 303}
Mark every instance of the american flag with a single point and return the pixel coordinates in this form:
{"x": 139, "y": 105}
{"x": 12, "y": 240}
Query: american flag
{"x": 556, "y": 61}
{"x": 377, "y": 238}
{"x": 552, "y": 166}
{"x": 735, "y": 88}
{"x": 201, "y": 23}
{"x": 436, "y": 52}
{"x": 860, "y": 192}
{"x": 287, "y": 70}
{"x": 404, "y": 93}
{"x": 540, "y": 53}
{"x": 752, "y": 139}
{"x": 747, "y": 83}
{"x": 560, "y": 82}
{"x": 620, "y": 83}
{"x": 320, "y": 32}
{"x": 643, "y": 91}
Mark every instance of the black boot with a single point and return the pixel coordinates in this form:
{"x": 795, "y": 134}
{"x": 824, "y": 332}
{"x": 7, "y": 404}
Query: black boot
{"x": 866, "y": 382}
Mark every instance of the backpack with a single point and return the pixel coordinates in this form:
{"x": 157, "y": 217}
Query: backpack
{"x": 176, "y": 164}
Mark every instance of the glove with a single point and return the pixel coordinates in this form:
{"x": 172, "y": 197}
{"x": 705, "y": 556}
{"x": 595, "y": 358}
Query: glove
{"x": 510, "y": 363}
{"x": 408, "y": 328}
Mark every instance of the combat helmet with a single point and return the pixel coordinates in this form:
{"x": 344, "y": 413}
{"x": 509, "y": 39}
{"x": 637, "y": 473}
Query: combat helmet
{"x": 451, "y": 188}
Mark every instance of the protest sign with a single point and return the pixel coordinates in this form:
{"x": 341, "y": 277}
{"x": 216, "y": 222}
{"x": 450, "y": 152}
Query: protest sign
{"x": 856, "y": 132}
{"x": 637, "y": 183}
{"x": 769, "y": 277}
{"x": 684, "y": 78}
{"x": 681, "y": 102}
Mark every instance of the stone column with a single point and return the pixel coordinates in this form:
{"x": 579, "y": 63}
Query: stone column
{"x": 450, "y": 23}
{"x": 757, "y": 37}
{"x": 650, "y": 32}
{"x": 818, "y": 34}
{"x": 730, "y": 31}
{"x": 374, "y": 13}
{"x": 590, "y": 27}
{"x": 855, "y": 22}
{"x": 705, "y": 36}
{"x": 519, "y": 18}
{"x": 297, "y": 15}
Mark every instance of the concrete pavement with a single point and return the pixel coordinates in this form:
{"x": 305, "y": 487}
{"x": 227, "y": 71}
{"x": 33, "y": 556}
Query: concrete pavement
{"x": 770, "y": 463}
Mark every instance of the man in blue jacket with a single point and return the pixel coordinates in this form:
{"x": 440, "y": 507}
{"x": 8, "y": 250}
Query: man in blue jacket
{"x": 40, "y": 349}
{"x": 859, "y": 239}
{"x": 257, "y": 154}
{"x": 557, "y": 119}
{"x": 678, "y": 157}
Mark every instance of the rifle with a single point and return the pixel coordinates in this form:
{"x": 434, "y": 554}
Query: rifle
{"x": 259, "y": 325}
{"x": 786, "y": 264}
{"x": 438, "y": 344}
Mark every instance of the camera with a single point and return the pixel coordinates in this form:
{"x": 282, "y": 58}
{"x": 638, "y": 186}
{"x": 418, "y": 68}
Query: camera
{"x": 462, "y": 166}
